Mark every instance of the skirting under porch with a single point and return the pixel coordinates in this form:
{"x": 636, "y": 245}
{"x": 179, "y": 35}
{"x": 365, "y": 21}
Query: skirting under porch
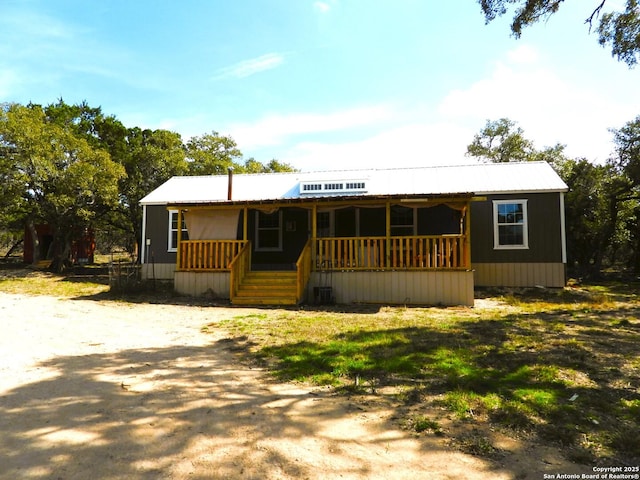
{"x": 215, "y": 284}
{"x": 433, "y": 287}
{"x": 382, "y": 287}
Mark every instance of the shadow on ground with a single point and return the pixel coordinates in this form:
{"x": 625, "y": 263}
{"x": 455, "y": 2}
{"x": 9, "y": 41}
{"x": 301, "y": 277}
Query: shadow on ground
{"x": 185, "y": 412}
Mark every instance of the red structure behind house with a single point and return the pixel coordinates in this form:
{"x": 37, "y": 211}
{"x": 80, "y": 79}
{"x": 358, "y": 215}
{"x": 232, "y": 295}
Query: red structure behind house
{"x": 83, "y": 245}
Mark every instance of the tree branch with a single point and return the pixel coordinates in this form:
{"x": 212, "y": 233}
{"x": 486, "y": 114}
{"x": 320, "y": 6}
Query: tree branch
{"x": 595, "y": 14}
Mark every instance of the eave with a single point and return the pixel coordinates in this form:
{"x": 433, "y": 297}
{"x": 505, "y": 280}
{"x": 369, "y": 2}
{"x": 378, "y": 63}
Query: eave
{"x": 330, "y": 201}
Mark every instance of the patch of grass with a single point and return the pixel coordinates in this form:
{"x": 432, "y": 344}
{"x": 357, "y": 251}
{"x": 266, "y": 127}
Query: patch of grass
{"x": 422, "y": 423}
{"x": 626, "y": 440}
{"x": 462, "y": 403}
{"x": 475, "y": 443}
{"x": 42, "y": 283}
{"x": 559, "y": 364}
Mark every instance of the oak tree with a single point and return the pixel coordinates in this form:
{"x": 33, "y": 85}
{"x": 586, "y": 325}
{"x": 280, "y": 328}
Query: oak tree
{"x": 619, "y": 29}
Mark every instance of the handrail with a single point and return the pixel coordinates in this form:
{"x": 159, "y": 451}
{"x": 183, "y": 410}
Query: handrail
{"x": 207, "y": 255}
{"x": 416, "y": 252}
{"x": 303, "y": 269}
{"x": 239, "y": 267}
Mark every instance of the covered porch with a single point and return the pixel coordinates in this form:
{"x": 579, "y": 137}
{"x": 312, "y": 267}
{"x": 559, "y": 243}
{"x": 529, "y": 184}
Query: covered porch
{"x": 388, "y": 250}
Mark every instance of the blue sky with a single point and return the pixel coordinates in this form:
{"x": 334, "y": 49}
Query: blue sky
{"x": 322, "y": 84}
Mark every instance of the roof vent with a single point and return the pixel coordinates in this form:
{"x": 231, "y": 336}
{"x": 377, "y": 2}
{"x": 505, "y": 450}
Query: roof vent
{"x": 333, "y": 186}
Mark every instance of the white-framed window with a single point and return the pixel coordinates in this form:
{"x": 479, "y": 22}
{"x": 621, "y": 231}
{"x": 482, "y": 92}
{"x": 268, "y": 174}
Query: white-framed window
{"x": 172, "y": 242}
{"x": 510, "y": 224}
{"x": 402, "y": 221}
{"x": 269, "y": 231}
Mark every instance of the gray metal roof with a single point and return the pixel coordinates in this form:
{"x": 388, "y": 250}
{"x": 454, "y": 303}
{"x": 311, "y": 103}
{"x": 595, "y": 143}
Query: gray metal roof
{"x": 479, "y": 179}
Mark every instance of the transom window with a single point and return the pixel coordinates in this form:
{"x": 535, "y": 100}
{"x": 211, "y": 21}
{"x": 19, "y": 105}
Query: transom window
{"x": 510, "y": 225}
{"x": 173, "y": 231}
{"x": 269, "y": 231}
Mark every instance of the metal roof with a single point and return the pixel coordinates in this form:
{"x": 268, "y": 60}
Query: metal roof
{"x": 479, "y": 179}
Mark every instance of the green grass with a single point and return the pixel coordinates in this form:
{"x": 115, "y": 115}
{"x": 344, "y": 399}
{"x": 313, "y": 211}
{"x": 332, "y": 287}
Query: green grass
{"x": 562, "y": 366}
{"x": 44, "y": 283}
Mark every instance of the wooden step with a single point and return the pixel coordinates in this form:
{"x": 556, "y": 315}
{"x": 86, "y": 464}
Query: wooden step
{"x": 267, "y": 288}
{"x": 256, "y": 300}
{"x": 269, "y": 281}
{"x": 266, "y": 293}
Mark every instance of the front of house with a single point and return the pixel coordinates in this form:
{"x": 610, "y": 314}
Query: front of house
{"x": 397, "y": 236}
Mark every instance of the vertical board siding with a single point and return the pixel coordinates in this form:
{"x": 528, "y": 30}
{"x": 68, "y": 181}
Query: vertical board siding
{"x": 198, "y": 283}
{"x": 519, "y": 274}
{"x": 157, "y": 230}
{"x": 159, "y": 271}
{"x": 401, "y": 287}
{"x": 545, "y": 230}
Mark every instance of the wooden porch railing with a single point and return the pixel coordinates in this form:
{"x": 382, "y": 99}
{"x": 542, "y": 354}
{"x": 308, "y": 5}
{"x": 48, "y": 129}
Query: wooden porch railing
{"x": 411, "y": 252}
{"x": 239, "y": 268}
{"x": 207, "y": 255}
{"x": 303, "y": 269}
{"x": 336, "y": 253}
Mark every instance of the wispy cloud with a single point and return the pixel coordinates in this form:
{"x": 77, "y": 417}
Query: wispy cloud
{"x": 29, "y": 24}
{"x": 322, "y": 7}
{"x": 9, "y": 80}
{"x": 408, "y": 145}
{"x": 275, "y": 129}
{"x": 548, "y": 108}
{"x": 246, "y": 68}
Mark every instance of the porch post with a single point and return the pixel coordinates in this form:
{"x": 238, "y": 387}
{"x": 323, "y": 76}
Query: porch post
{"x": 245, "y": 223}
{"x": 314, "y": 221}
{"x": 388, "y": 233}
{"x": 467, "y": 228}
{"x": 314, "y": 234}
{"x": 179, "y": 246}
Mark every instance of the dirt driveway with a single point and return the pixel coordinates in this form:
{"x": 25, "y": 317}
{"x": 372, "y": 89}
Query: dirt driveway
{"x": 108, "y": 390}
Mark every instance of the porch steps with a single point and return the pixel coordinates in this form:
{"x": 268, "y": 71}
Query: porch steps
{"x": 267, "y": 288}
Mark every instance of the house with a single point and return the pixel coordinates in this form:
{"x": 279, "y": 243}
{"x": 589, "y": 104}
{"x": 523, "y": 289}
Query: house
{"x": 424, "y": 235}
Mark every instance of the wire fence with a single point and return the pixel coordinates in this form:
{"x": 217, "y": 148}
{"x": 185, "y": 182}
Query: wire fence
{"x": 125, "y": 276}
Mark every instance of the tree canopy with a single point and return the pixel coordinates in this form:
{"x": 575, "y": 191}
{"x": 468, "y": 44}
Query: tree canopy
{"x": 620, "y": 30}
{"x": 504, "y": 141}
{"x": 54, "y": 176}
{"x": 72, "y": 166}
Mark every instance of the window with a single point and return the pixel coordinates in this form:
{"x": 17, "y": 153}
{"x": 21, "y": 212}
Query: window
{"x": 173, "y": 231}
{"x": 402, "y": 223}
{"x": 510, "y": 228}
{"x": 269, "y": 231}
{"x": 324, "y": 224}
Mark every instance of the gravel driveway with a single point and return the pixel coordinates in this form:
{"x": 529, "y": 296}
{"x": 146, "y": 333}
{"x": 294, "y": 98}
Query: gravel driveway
{"x": 106, "y": 390}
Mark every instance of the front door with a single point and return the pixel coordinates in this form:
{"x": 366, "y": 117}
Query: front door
{"x": 278, "y": 237}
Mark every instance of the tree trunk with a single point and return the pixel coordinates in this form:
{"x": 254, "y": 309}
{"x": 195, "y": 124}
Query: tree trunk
{"x": 15, "y": 245}
{"x": 35, "y": 242}
{"x": 62, "y": 251}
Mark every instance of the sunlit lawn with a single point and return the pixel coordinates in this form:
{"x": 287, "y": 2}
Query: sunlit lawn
{"x": 45, "y": 283}
{"x": 561, "y": 365}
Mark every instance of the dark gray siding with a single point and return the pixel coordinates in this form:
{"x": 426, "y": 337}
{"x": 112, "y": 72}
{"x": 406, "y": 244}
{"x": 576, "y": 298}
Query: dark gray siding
{"x": 157, "y": 229}
{"x": 545, "y": 243}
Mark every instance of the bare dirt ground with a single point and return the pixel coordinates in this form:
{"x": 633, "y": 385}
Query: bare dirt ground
{"x": 108, "y": 390}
